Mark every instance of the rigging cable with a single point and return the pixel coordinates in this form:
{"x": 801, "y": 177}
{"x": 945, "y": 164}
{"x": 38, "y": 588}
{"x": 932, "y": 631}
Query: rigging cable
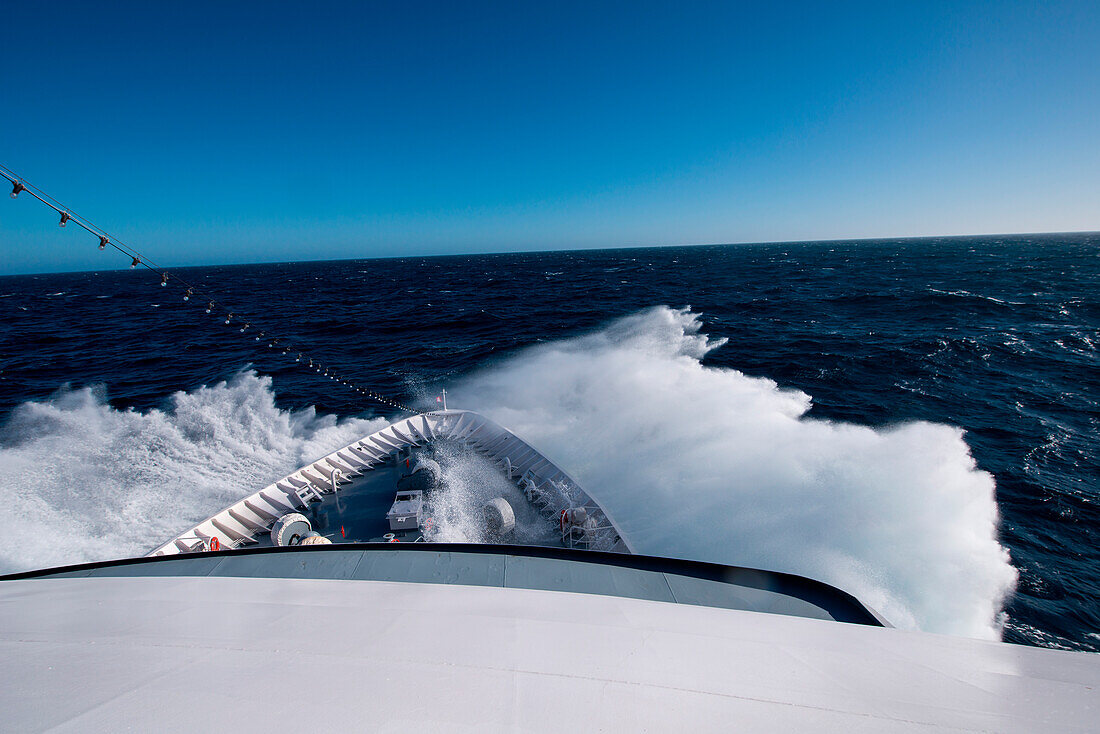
{"x": 19, "y": 185}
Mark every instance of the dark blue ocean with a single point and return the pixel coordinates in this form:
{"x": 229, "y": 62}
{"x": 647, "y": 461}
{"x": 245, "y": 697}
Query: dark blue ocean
{"x": 898, "y": 389}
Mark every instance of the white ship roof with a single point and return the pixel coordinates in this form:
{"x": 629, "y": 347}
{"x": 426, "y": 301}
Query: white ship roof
{"x": 174, "y": 653}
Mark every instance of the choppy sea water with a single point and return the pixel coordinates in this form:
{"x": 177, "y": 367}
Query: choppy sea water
{"x": 915, "y": 421}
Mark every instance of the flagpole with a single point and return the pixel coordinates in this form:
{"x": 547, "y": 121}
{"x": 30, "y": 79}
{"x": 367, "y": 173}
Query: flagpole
{"x": 444, "y": 398}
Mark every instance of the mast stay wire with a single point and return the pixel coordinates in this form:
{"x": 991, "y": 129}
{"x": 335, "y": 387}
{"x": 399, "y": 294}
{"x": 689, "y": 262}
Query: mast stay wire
{"x": 19, "y": 185}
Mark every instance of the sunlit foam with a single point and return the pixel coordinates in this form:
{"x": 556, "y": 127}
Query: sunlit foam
{"x": 691, "y": 461}
{"x": 81, "y": 481}
{"x": 707, "y": 463}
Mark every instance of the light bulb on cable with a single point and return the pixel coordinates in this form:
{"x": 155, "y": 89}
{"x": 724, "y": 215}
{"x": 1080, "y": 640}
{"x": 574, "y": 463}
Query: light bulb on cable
{"x": 103, "y": 242}
{"x": 64, "y": 219}
{"x": 163, "y": 280}
{"x": 228, "y": 319}
{"x": 187, "y": 295}
{"x": 17, "y": 186}
{"x": 210, "y": 307}
{"x": 136, "y": 261}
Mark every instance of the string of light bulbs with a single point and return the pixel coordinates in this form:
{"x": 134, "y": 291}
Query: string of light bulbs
{"x": 190, "y": 291}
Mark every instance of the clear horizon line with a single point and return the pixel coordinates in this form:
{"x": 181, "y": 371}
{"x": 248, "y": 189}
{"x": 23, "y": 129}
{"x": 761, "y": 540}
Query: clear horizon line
{"x": 565, "y": 250}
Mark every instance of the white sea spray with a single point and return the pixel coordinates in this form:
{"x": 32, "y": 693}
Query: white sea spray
{"x": 82, "y": 481}
{"x": 707, "y": 463}
{"x": 692, "y": 461}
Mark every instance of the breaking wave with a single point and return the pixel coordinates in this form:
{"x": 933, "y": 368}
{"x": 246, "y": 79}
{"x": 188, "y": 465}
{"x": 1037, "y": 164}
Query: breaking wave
{"x": 710, "y": 464}
{"x": 81, "y": 481}
{"x": 692, "y": 461}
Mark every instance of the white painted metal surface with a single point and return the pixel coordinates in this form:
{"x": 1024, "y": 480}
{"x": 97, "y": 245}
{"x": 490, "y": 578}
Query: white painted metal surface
{"x": 406, "y": 510}
{"x": 232, "y": 654}
{"x": 545, "y": 484}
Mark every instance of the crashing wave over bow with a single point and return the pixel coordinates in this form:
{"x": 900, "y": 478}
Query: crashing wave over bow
{"x": 691, "y": 460}
{"x": 707, "y": 463}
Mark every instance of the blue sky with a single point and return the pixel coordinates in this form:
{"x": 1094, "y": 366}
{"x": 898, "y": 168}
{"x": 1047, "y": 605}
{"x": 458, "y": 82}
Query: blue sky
{"x": 220, "y": 132}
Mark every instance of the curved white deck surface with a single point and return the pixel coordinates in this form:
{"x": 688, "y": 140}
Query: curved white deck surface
{"x": 247, "y": 655}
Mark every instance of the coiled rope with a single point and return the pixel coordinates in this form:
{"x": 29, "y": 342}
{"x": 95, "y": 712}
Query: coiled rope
{"x": 232, "y": 318}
